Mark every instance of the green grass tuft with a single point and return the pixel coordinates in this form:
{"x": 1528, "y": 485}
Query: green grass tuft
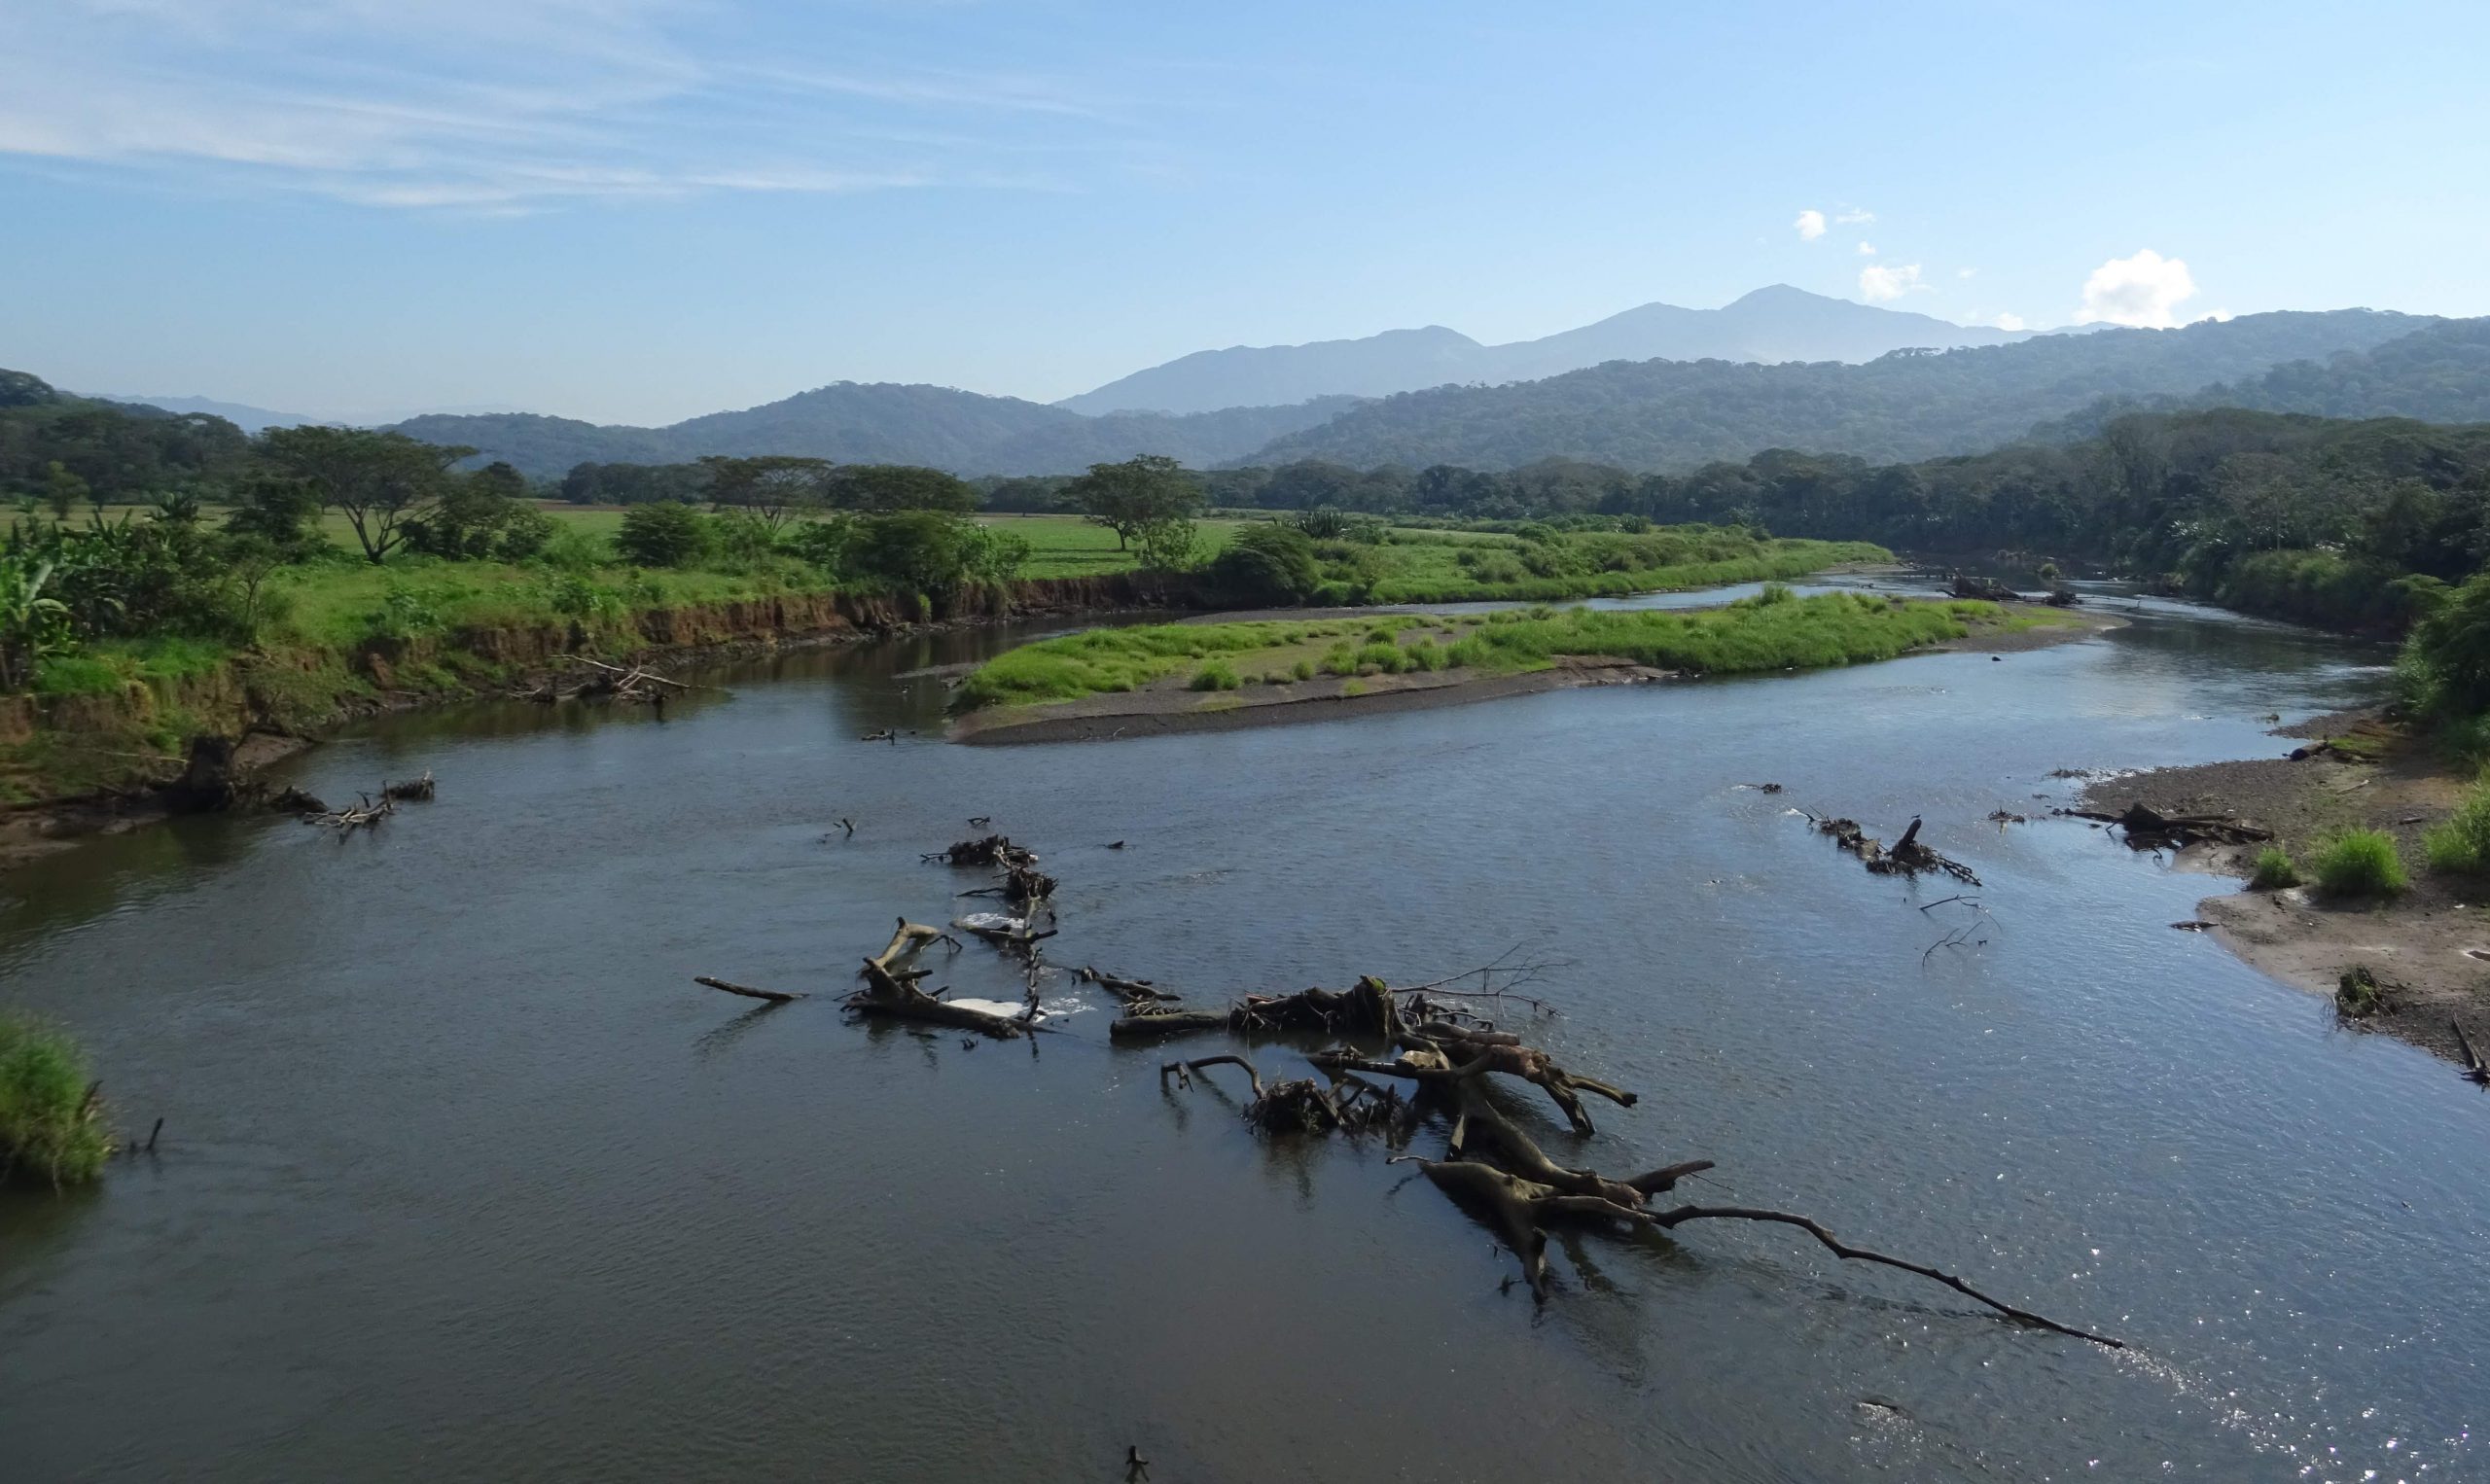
{"x": 2459, "y": 845}
{"x": 2359, "y": 862}
{"x": 2275, "y": 870}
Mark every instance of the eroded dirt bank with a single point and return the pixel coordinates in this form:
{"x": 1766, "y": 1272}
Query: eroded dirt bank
{"x": 100, "y": 764}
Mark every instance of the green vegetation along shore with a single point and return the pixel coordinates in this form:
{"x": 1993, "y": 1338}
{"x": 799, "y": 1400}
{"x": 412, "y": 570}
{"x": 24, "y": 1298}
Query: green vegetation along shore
{"x": 336, "y": 572}
{"x": 52, "y": 1127}
{"x": 1200, "y": 667}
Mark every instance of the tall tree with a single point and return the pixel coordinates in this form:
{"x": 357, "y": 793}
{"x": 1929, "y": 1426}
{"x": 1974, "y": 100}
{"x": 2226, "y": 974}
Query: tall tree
{"x": 771, "y": 488}
{"x": 381, "y": 480}
{"x": 886, "y": 488}
{"x": 1135, "y": 495}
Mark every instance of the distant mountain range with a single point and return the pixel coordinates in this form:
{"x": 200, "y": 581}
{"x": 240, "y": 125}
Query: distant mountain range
{"x": 251, "y": 419}
{"x": 885, "y": 423}
{"x": 1770, "y": 325}
{"x": 1831, "y": 392}
{"x": 1645, "y": 414}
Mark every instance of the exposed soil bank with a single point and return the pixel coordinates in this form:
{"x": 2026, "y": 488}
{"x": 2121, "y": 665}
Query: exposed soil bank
{"x": 1166, "y": 706}
{"x": 268, "y": 706}
{"x": 2429, "y": 948}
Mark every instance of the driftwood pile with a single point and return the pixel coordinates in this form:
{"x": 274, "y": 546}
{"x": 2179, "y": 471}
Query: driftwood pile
{"x": 1389, "y": 1060}
{"x": 1990, "y": 590}
{"x": 1908, "y": 857}
{"x": 364, "y": 814}
{"x": 1490, "y": 1166}
{"x": 628, "y": 685}
{"x": 2151, "y": 830}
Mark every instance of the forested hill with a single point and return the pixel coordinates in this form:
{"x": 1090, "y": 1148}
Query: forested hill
{"x": 882, "y": 423}
{"x": 2437, "y": 374}
{"x": 1678, "y": 414}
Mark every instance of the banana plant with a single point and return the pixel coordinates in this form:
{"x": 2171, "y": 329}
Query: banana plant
{"x": 31, "y": 625}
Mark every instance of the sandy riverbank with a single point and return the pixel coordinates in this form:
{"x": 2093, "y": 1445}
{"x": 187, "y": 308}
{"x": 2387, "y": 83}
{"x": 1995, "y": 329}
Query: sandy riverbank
{"x": 2431, "y": 947}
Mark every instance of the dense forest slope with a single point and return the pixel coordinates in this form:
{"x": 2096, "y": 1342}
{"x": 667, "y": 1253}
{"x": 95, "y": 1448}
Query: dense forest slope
{"x": 1677, "y": 414}
{"x": 1779, "y": 323}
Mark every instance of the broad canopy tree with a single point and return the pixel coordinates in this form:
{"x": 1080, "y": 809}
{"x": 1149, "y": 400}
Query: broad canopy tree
{"x": 771, "y": 488}
{"x": 1136, "y": 496}
{"x": 383, "y": 481}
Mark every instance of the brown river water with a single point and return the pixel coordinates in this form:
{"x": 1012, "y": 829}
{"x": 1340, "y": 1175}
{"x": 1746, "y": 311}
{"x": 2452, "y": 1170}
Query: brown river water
{"x": 463, "y": 1178}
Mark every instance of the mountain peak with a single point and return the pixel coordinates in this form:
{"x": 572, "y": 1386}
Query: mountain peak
{"x": 1777, "y": 294}
{"x": 1773, "y": 324}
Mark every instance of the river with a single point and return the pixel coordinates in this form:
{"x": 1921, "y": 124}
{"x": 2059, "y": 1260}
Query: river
{"x": 462, "y": 1177}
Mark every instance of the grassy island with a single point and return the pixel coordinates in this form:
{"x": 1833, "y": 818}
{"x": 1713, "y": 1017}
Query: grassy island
{"x": 1206, "y": 668}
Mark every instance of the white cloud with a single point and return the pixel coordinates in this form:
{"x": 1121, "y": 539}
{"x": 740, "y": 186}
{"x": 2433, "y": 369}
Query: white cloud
{"x": 1853, "y": 217}
{"x": 512, "y": 105}
{"x": 2008, "y": 322}
{"x": 2144, "y": 291}
{"x": 1881, "y": 283}
{"x": 1810, "y": 225}
{"x": 1867, "y": 248}
{"x": 1967, "y": 274}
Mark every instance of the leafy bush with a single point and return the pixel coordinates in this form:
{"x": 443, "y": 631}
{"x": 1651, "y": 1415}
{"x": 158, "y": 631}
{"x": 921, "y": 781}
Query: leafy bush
{"x": 1218, "y": 675}
{"x": 1267, "y": 566}
{"x": 48, "y": 1128}
{"x": 662, "y": 533}
{"x": 2275, "y": 870}
{"x": 2359, "y": 862}
{"x": 821, "y": 542}
{"x": 1303, "y": 669}
{"x": 929, "y": 552}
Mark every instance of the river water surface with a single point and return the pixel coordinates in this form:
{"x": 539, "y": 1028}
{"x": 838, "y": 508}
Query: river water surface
{"x": 462, "y": 1177}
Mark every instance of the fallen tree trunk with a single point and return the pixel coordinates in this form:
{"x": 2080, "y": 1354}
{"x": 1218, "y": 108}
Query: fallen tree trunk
{"x": 2148, "y": 828}
{"x": 1366, "y": 1009}
{"x": 890, "y": 990}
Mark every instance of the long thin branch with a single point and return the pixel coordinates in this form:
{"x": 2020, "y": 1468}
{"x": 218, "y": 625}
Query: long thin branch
{"x": 1841, "y": 1249}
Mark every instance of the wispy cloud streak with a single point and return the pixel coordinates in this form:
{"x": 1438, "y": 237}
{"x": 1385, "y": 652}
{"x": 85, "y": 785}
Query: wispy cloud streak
{"x": 508, "y": 105}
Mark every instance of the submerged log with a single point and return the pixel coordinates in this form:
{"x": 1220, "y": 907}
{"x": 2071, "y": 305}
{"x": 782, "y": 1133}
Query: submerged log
{"x": 1303, "y": 1106}
{"x": 774, "y": 996}
{"x": 992, "y": 850}
{"x": 1366, "y": 1009}
{"x": 417, "y": 789}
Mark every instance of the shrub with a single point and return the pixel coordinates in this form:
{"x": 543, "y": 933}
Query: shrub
{"x": 1303, "y": 669}
{"x": 663, "y": 533}
{"x": 2461, "y": 843}
{"x": 47, "y": 1125}
{"x": 2274, "y": 870}
{"x": 2359, "y": 862}
{"x": 1266, "y": 565}
{"x": 1218, "y": 675}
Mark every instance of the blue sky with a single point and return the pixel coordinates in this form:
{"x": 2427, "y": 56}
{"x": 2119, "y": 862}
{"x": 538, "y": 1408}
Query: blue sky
{"x": 639, "y": 210}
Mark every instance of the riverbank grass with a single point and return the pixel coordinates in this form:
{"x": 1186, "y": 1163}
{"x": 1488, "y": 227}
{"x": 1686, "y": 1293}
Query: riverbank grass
{"x": 2275, "y": 870}
{"x": 2460, "y": 844}
{"x": 50, "y": 1128}
{"x": 2361, "y": 863}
